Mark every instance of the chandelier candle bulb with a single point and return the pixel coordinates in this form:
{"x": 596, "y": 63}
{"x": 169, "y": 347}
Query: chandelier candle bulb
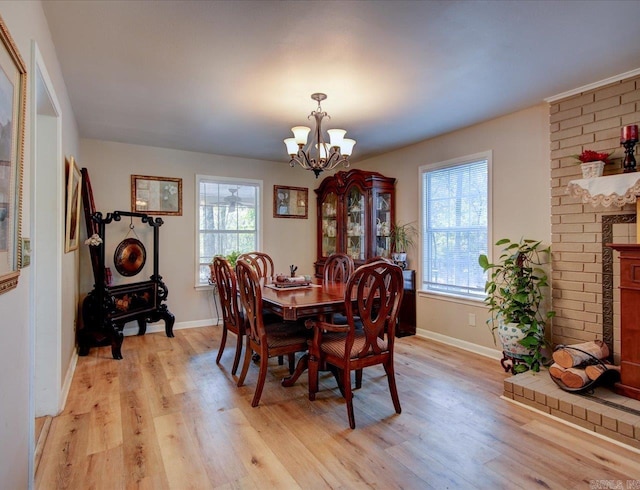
{"x": 347, "y": 146}
{"x": 300, "y": 134}
{"x": 323, "y": 151}
{"x": 629, "y": 133}
{"x": 292, "y": 146}
{"x": 336, "y": 136}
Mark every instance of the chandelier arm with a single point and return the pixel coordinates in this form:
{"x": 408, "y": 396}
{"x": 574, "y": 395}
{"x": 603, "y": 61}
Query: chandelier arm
{"x": 331, "y": 159}
{"x": 301, "y": 159}
{"x": 304, "y": 160}
{"x": 341, "y": 160}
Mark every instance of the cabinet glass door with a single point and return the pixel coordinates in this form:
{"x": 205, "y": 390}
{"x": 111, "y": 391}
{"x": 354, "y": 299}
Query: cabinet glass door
{"x": 356, "y": 226}
{"x": 329, "y": 225}
{"x": 382, "y": 211}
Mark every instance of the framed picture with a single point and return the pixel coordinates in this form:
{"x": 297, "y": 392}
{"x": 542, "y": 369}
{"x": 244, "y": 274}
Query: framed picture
{"x": 74, "y": 191}
{"x": 290, "y": 202}
{"x": 156, "y": 195}
{"x": 13, "y": 90}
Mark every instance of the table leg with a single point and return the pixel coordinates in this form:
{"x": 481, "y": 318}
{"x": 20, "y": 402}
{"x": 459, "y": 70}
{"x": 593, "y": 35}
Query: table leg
{"x": 301, "y": 367}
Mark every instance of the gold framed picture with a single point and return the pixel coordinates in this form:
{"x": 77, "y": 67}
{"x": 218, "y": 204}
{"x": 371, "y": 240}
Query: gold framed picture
{"x": 13, "y": 99}
{"x": 74, "y": 192}
{"x": 290, "y": 202}
{"x": 156, "y": 195}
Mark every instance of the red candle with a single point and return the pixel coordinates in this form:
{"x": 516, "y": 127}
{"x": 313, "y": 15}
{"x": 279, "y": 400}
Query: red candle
{"x": 629, "y": 133}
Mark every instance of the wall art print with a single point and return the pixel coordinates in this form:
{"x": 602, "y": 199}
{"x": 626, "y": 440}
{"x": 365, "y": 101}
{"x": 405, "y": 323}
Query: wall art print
{"x": 13, "y": 86}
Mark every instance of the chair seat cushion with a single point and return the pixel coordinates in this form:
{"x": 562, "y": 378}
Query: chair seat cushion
{"x": 333, "y": 344}
{"x": 282, "y": 334}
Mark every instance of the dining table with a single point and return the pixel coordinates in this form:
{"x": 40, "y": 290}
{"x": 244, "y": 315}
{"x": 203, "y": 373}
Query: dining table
{"x": 297, "y": 302}
{"x": 316, "y": 300}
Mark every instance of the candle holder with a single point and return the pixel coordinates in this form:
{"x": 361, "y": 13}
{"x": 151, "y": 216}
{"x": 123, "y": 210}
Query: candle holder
{"x": 629, "y": 162}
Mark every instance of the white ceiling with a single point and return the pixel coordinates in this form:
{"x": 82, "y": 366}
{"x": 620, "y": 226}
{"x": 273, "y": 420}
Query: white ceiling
{"x": 232, "y": 77}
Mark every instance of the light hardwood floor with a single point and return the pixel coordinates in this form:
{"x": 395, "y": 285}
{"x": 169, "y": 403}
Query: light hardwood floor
{"x": 166, "y": 416}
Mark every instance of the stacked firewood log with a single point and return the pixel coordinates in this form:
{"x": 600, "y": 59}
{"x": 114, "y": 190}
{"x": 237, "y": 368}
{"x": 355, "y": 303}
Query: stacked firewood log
{"x": 576, "y": 365}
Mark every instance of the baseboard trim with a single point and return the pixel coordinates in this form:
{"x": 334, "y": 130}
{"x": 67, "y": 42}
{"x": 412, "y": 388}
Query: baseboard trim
{"x": 159, "y": 326}
{"x": 40, "y": 443}
{"x": 66, "y": 386}
{"x": 461, "y": 344}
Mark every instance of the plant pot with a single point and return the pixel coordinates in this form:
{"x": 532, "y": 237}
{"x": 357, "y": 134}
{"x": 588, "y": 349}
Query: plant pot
{"x": 510, "y": 335}
{"x": 399, "y": 256}
{"x": 592, "y": 169}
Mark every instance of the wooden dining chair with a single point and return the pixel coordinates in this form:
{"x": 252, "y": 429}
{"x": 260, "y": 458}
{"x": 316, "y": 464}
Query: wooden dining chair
{"x": 232, "y": 318}
{"x": 265, "y": 340}
{"x": 338, "y": 268}
{"x": 377, "y": 288}
{"x": 261, "y": 261}
{"x": 263, "y": 264}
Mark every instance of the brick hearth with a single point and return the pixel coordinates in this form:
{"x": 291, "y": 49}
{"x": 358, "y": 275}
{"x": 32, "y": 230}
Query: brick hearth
{"x": 601, "y": 411}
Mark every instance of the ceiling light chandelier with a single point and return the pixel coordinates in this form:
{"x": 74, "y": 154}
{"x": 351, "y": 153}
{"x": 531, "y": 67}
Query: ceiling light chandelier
{"x": 316, "y": 155}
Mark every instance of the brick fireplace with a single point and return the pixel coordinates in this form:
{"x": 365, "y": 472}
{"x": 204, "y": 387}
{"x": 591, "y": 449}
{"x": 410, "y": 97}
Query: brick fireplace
{"x": 585, "y": 277}
{"x": 585, "y": 272}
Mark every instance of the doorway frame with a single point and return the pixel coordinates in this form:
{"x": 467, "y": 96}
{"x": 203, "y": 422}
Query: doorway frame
{"x": 46, "y": 392}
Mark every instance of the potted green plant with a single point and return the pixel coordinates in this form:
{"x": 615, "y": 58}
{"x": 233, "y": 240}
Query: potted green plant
{"x": 402, "y": 239}
{"x": 515, "y": 292}
{"x": 232, "y": 258}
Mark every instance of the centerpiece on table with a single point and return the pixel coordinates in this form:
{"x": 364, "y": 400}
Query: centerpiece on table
{"x": 593, "y": 162}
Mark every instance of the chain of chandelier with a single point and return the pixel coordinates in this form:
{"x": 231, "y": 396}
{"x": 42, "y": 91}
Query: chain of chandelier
{"x": 317, "y": 155}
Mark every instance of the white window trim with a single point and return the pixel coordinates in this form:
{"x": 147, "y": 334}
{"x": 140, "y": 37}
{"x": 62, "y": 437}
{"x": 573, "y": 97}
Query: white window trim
{"x": 223, "y": 180}
{"x": 484, "y": 155}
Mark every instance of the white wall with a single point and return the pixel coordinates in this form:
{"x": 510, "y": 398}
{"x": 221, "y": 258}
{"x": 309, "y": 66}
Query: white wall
{"x": 521, "y": 200}
{"x": 26, "y": 21}
{"x": 110, "y": 165}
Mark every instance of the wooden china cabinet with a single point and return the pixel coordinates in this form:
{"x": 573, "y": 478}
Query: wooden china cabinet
{"x": 355, "y": 212}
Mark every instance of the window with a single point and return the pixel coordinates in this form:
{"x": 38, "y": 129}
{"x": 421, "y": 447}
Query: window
{"x": 228, "y": 213}
{"x": 455, "y": 217}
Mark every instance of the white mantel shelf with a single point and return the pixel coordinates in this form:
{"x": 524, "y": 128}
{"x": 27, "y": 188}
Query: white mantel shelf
{"x": 619, "y": 189}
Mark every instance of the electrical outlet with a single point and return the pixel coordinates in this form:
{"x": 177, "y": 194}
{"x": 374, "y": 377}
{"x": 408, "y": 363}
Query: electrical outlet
{"x": 472, "y": 319}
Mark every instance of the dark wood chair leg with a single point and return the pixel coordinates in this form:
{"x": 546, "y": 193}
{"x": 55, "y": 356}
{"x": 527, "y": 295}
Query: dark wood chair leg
{"x": 391, "y": 378}
{"x": 223, "y": 341}
{"x": 337, "y": 373}
{"x": 236, "y": 358}
{"x": 358, "y": 379}
{"x": 247, "y": 361}
{"x": 348, "y": 396}
{"x": 262, "y": 376}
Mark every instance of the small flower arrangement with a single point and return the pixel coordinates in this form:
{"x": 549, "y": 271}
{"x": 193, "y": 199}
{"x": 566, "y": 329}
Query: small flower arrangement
{"x": 593, "y": 156}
